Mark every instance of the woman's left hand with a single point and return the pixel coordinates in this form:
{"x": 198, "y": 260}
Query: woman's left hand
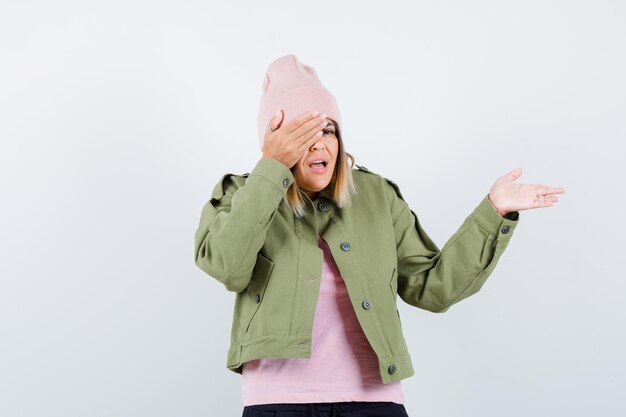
{"x": 505, "y": 196}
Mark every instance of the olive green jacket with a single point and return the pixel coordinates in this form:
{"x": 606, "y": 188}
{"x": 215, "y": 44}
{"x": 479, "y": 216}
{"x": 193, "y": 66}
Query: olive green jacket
{"x": 250, "y": 240}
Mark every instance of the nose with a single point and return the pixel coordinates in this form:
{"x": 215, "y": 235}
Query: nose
{"x": 318, "y": 145}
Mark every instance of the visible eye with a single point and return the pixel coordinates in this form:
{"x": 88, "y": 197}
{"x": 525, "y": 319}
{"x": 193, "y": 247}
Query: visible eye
{"x": 329, "y": 132}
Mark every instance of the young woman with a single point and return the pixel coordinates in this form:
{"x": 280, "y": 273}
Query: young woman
{"x": 317, "y": 251}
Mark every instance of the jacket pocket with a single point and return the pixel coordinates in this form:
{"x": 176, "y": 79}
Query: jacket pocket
{"x": 393, "y": 287}
{"x": 255, "y": 291}
{"x": 393, "y": 284}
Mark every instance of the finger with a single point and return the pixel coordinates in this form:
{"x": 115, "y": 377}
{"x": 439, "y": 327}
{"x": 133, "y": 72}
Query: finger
{"x": 296, "y": 123}
{"x": 306, "y": 144}
{"x": 274, "y": 123}
{"x": 310, "y": 127}
{"x": 545, "y": 201}
{"x": 539, "y": 202}
{"x": 276, "y": 119}
{"x": 546, "y": 189}
{"x": 268, "y": 132}
{"x": 515, "y": 174}
{"x": 307, "y": 139}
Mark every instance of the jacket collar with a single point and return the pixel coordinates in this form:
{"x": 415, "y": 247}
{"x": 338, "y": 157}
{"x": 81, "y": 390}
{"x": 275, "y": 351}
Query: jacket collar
{"x": 323, "y": 195}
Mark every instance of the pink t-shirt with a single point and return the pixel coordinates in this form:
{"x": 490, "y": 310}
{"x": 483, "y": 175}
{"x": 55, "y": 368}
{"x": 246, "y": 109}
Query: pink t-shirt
{"x": 342, "y": 367}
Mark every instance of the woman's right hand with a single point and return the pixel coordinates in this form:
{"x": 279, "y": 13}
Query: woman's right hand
{"x": 288, "y": 143}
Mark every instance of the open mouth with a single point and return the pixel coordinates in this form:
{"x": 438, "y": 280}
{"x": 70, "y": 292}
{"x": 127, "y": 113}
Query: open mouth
{"x": 321, "y": 164}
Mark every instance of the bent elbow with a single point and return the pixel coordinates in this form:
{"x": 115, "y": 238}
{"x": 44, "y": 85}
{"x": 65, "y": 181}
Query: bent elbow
{"x": 235, "y": 285}
{"x": 441, "y": 309}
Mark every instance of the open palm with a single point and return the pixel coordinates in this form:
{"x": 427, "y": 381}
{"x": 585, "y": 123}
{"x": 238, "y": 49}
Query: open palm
{"x": 507, "y": 196}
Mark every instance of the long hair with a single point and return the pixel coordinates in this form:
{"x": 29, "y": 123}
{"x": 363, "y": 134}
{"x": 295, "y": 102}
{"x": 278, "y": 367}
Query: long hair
{"x": 341, "y": 184}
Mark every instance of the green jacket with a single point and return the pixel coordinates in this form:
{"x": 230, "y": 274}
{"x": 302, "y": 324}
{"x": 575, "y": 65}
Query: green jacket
{"x": 251, "y": 241}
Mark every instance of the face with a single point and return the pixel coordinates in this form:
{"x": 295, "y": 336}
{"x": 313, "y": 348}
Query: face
{"x": 314, "y": 178}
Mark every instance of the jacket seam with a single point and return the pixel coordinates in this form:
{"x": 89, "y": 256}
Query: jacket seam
{"x": 395, "y": 218}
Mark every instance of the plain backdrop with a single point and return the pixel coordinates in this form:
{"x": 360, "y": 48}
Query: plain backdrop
{"x": 117, "y": 119}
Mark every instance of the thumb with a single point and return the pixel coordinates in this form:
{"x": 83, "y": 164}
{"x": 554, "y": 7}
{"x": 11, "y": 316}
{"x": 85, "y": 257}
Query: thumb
{"x": 515, "y": 174}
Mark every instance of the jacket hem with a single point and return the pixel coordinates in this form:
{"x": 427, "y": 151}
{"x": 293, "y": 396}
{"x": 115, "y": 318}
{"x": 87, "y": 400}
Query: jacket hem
{"x": 392, "y": 368}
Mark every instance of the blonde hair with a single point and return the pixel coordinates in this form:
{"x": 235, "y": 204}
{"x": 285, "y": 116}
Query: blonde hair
{"x": 341, "y": 184}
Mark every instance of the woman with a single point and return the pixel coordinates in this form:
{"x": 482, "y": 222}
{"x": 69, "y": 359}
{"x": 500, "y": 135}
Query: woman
{"x": 317, "y": 253}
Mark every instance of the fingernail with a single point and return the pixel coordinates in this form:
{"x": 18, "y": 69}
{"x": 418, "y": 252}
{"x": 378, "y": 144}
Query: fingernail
{"x": 315, "y": 113}
{"x": 324, "y": 116}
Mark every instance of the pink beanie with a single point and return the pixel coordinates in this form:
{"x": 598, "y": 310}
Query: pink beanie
{"x": 294, "y": 88}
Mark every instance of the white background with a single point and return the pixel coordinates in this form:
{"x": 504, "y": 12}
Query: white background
{"x": 117, "y": 119}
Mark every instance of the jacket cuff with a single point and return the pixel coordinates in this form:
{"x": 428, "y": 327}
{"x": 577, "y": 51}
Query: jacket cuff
{"x": 490, "y": 221}
{"x": 275, "y": 172}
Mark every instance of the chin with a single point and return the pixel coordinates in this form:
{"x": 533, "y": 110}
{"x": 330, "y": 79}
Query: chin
{"x": 314, "y": 184}
{"x": 316, "y": 189}
{"x": 324, "y": 185}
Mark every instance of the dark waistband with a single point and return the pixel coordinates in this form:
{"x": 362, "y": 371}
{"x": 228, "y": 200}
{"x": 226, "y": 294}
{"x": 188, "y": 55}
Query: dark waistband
{"x": 324, "y": 407}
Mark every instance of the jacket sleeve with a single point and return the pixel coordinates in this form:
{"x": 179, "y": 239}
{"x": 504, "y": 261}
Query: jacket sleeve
{"x": 435, "y": 279}
{"x": 234, "y": 222}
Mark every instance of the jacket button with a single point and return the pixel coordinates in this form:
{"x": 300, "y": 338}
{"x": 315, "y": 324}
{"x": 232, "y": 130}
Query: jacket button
{"x": 257, "y": 298}
{"x": 366, "y": 305}
{"x": 286, "y": 183}
{"x": 392, "y": 369}
{"x": 505, "y": 229}
{"x": 345, "y": 246}
{"x": 322, "y": 206}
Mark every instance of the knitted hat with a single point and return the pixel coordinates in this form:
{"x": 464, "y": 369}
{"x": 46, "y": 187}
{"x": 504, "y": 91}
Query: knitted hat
{"x": 294, "y": 88}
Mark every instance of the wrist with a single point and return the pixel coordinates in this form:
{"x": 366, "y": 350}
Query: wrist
{"x": 501, "y": 213}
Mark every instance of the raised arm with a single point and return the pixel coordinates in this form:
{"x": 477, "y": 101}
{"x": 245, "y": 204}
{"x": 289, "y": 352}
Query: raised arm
{"x": 234, "y": 222}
